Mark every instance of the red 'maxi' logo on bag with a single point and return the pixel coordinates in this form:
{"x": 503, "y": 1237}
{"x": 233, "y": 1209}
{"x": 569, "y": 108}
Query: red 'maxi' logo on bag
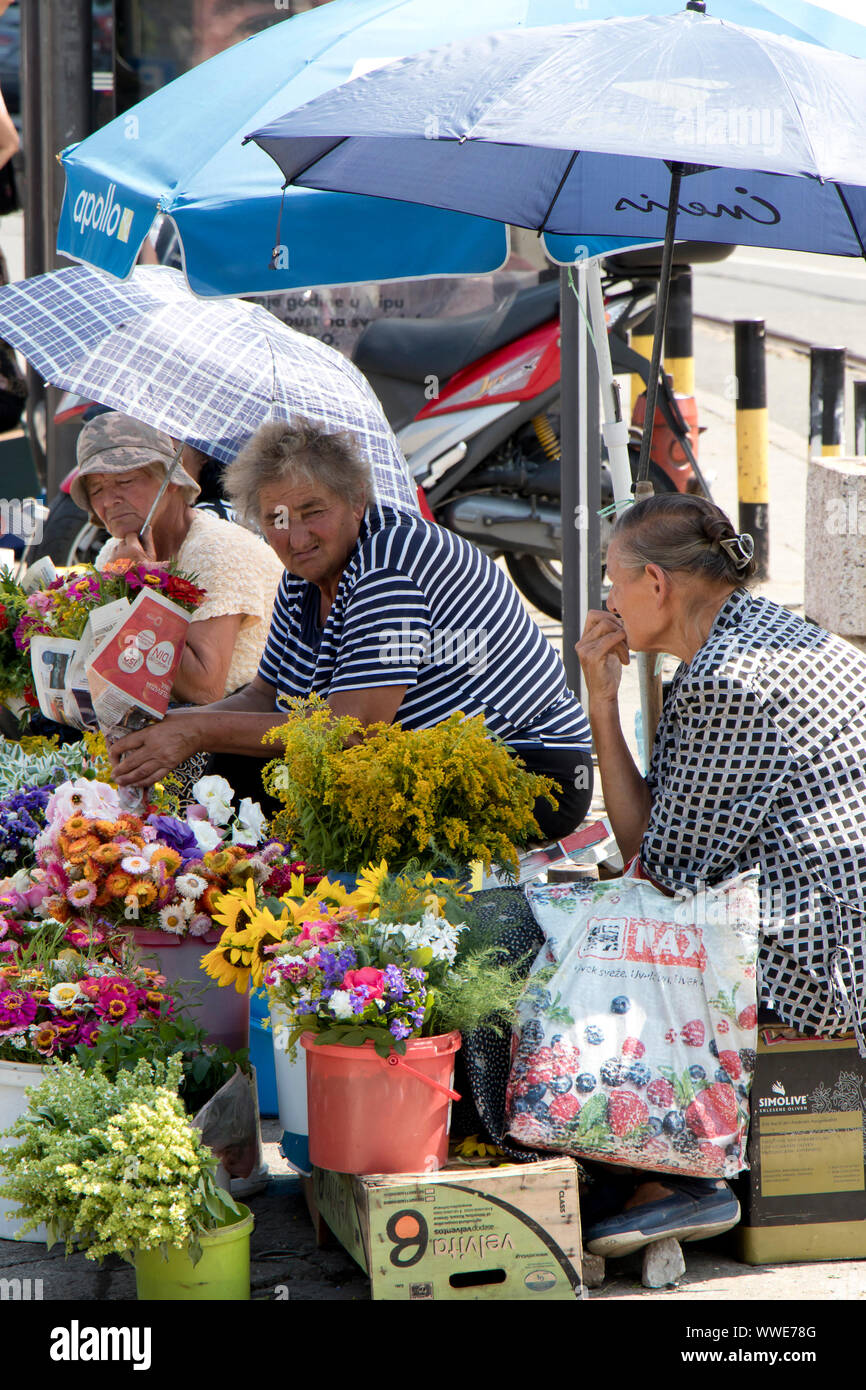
{"x": 664, "y": 943}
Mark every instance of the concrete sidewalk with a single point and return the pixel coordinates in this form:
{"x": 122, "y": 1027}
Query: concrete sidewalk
{"x": 287, "y": 1264}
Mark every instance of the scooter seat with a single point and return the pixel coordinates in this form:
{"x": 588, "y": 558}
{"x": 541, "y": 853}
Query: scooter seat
{"x": 415, "y": 349}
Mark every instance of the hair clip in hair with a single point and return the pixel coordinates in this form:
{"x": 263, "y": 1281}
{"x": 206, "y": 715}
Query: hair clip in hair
{"x": 741, "y": 549}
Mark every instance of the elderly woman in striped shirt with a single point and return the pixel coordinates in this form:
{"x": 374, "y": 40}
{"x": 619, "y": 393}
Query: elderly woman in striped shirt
{"x": 388, "y": 617}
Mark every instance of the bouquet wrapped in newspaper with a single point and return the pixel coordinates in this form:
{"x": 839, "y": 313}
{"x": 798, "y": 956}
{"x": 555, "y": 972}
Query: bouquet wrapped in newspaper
{"x": 105, "y": 646}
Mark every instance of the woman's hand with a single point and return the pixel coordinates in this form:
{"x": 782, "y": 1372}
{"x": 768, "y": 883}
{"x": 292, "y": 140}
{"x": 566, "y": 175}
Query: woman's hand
{"x": 142, "y": 758}
{"x": 603, "y": 651}
{"x": 131, "y": 548}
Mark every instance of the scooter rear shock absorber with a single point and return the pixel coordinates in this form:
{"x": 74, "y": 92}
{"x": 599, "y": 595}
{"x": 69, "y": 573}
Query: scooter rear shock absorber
{"x": 547, "y": 438}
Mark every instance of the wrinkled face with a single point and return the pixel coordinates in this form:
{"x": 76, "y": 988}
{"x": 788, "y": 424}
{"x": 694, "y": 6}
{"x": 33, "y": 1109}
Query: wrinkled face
{"x": 123, "y": 500}
{"x": 312, "y": 529}
{"x": 632, "y": 598}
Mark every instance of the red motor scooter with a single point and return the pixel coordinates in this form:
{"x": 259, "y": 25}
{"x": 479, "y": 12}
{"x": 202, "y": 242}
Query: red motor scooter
{"x": 475, "y": 403}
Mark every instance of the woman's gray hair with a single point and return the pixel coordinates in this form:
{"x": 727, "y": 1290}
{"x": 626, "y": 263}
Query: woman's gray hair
{"x": 678, "y": 531}
{"x": 300, "y": 451}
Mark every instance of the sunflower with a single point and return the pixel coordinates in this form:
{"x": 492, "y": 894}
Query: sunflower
{"x": 265, "y": 931}
{"x": 369, "y": 886}
{"x": 230, "y": 960}
{"x": 230, "y": 905}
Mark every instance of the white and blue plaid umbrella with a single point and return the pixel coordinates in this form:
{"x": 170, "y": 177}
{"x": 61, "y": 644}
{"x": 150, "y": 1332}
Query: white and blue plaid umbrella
{"x": 208, "y": 372}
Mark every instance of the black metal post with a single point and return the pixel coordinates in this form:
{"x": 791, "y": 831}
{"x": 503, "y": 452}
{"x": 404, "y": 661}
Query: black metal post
{"x": 64, "y": 84}
{"x": 833, "y": 411}
{"x": 34, "y": 241}
{"x": 860, "y": 418}
{"x": 581, "y": 478}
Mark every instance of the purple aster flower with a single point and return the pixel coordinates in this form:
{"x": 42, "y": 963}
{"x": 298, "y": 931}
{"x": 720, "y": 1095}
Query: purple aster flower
{"x": 399, "y": 1029}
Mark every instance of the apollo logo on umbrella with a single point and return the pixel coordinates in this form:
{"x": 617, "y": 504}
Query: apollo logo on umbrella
{"x": 102, "y": 214}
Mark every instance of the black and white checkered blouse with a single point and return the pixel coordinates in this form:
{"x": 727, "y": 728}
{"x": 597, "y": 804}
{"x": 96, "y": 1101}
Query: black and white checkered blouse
{"x": 759, "y": 762}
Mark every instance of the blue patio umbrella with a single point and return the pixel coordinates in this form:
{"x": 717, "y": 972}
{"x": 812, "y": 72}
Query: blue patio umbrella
{"x": 655, "y": 126}
{"x": 179, "y": 152}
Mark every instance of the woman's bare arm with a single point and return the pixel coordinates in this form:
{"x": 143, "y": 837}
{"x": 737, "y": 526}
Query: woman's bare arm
{"x": 603, "y": 652}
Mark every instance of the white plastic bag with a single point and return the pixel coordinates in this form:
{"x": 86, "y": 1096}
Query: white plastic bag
{"x": 634, "y": 1041}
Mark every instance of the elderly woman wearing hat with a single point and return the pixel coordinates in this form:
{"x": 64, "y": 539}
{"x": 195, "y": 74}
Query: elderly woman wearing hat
{"x": 388, "y": 617}
{"x": 122, "y": 464}
{"x": 759, "y": 762}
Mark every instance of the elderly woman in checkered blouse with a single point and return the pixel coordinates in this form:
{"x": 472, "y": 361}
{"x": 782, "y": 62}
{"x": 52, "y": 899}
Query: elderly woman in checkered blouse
{"x": 759, "y": 758}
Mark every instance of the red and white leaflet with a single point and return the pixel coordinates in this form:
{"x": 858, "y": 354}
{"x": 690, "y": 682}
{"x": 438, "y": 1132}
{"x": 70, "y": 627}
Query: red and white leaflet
{"x": 135, "y": 668}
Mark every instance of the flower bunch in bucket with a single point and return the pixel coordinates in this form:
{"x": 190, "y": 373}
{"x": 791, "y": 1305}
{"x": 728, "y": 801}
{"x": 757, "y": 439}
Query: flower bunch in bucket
{"x": 101, "y": 868}
{"x": 392, "y": 959}
{"x": 56, "y": 1002}
{"x": 114, "y": 1165}
{"x": 442, "y": 797}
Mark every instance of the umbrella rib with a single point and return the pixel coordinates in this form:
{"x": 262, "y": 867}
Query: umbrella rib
{"x": 783, "y": 79}
{"x": 844, "y": 201}
{"x": 574, "y": 155}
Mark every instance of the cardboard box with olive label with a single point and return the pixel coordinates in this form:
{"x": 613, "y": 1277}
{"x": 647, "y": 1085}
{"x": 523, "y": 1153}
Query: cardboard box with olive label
{"x": 804, "y": 1197}
{"x": 508, "y": 1232}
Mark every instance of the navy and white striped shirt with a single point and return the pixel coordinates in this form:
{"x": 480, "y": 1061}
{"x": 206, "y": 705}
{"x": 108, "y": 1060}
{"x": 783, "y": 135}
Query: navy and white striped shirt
{"x": 421, "y": 607}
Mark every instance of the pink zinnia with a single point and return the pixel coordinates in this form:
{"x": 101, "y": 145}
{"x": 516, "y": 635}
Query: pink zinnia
{"x": 17, "y": 1009}
{"x": 118, "y": 1010}
{"x": 87, "y": 1033}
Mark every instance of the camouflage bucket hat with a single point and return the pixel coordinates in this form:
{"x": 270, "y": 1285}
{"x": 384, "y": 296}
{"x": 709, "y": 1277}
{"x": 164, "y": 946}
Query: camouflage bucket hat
{"x": 114, "y": 443}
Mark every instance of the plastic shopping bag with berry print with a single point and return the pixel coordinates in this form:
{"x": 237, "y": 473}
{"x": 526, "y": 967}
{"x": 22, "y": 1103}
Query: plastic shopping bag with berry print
{"x": 634, "y": 1041}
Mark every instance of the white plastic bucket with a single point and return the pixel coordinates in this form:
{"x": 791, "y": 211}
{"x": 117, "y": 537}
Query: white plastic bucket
{"x": 15, "y": 1078}
{"x": 291, "y": 1080}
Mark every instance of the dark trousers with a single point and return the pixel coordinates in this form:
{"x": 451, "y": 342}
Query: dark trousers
{"x": 572, "y": 771}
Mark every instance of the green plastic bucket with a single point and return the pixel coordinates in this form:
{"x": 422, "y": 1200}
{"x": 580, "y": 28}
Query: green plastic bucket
{"x": 222, "y": 1273}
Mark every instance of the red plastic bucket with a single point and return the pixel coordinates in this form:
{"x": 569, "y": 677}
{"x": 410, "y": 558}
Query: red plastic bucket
{"x": 370, "y": 1114}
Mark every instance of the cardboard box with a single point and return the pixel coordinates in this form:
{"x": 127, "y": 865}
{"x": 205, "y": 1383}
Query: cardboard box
{"x": 507, "y": 1232}
{"x": 804, "y": 1197}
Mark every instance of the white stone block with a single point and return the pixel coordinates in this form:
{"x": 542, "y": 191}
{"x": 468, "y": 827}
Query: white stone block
{"x": 835, "y": 549}
{"x": 663, "y": 1264}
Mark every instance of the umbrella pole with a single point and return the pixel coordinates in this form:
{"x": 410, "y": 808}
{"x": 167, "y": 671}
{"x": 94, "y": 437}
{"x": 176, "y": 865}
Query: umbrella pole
{"x": 652, "y": 386}
{"x": 163, "y": 485}
{"x": 649, "y": 679}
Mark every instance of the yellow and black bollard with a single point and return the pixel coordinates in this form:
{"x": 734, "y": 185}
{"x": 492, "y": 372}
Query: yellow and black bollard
{"x": 641, "y": 341}
{"x": 827, "y": 401}
{"x": 679, "y": 349}
{"x": 753, "y": 447}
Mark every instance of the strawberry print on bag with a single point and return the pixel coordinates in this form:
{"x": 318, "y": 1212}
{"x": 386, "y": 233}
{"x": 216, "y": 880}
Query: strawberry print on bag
{"x": 634, "y": 1041}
